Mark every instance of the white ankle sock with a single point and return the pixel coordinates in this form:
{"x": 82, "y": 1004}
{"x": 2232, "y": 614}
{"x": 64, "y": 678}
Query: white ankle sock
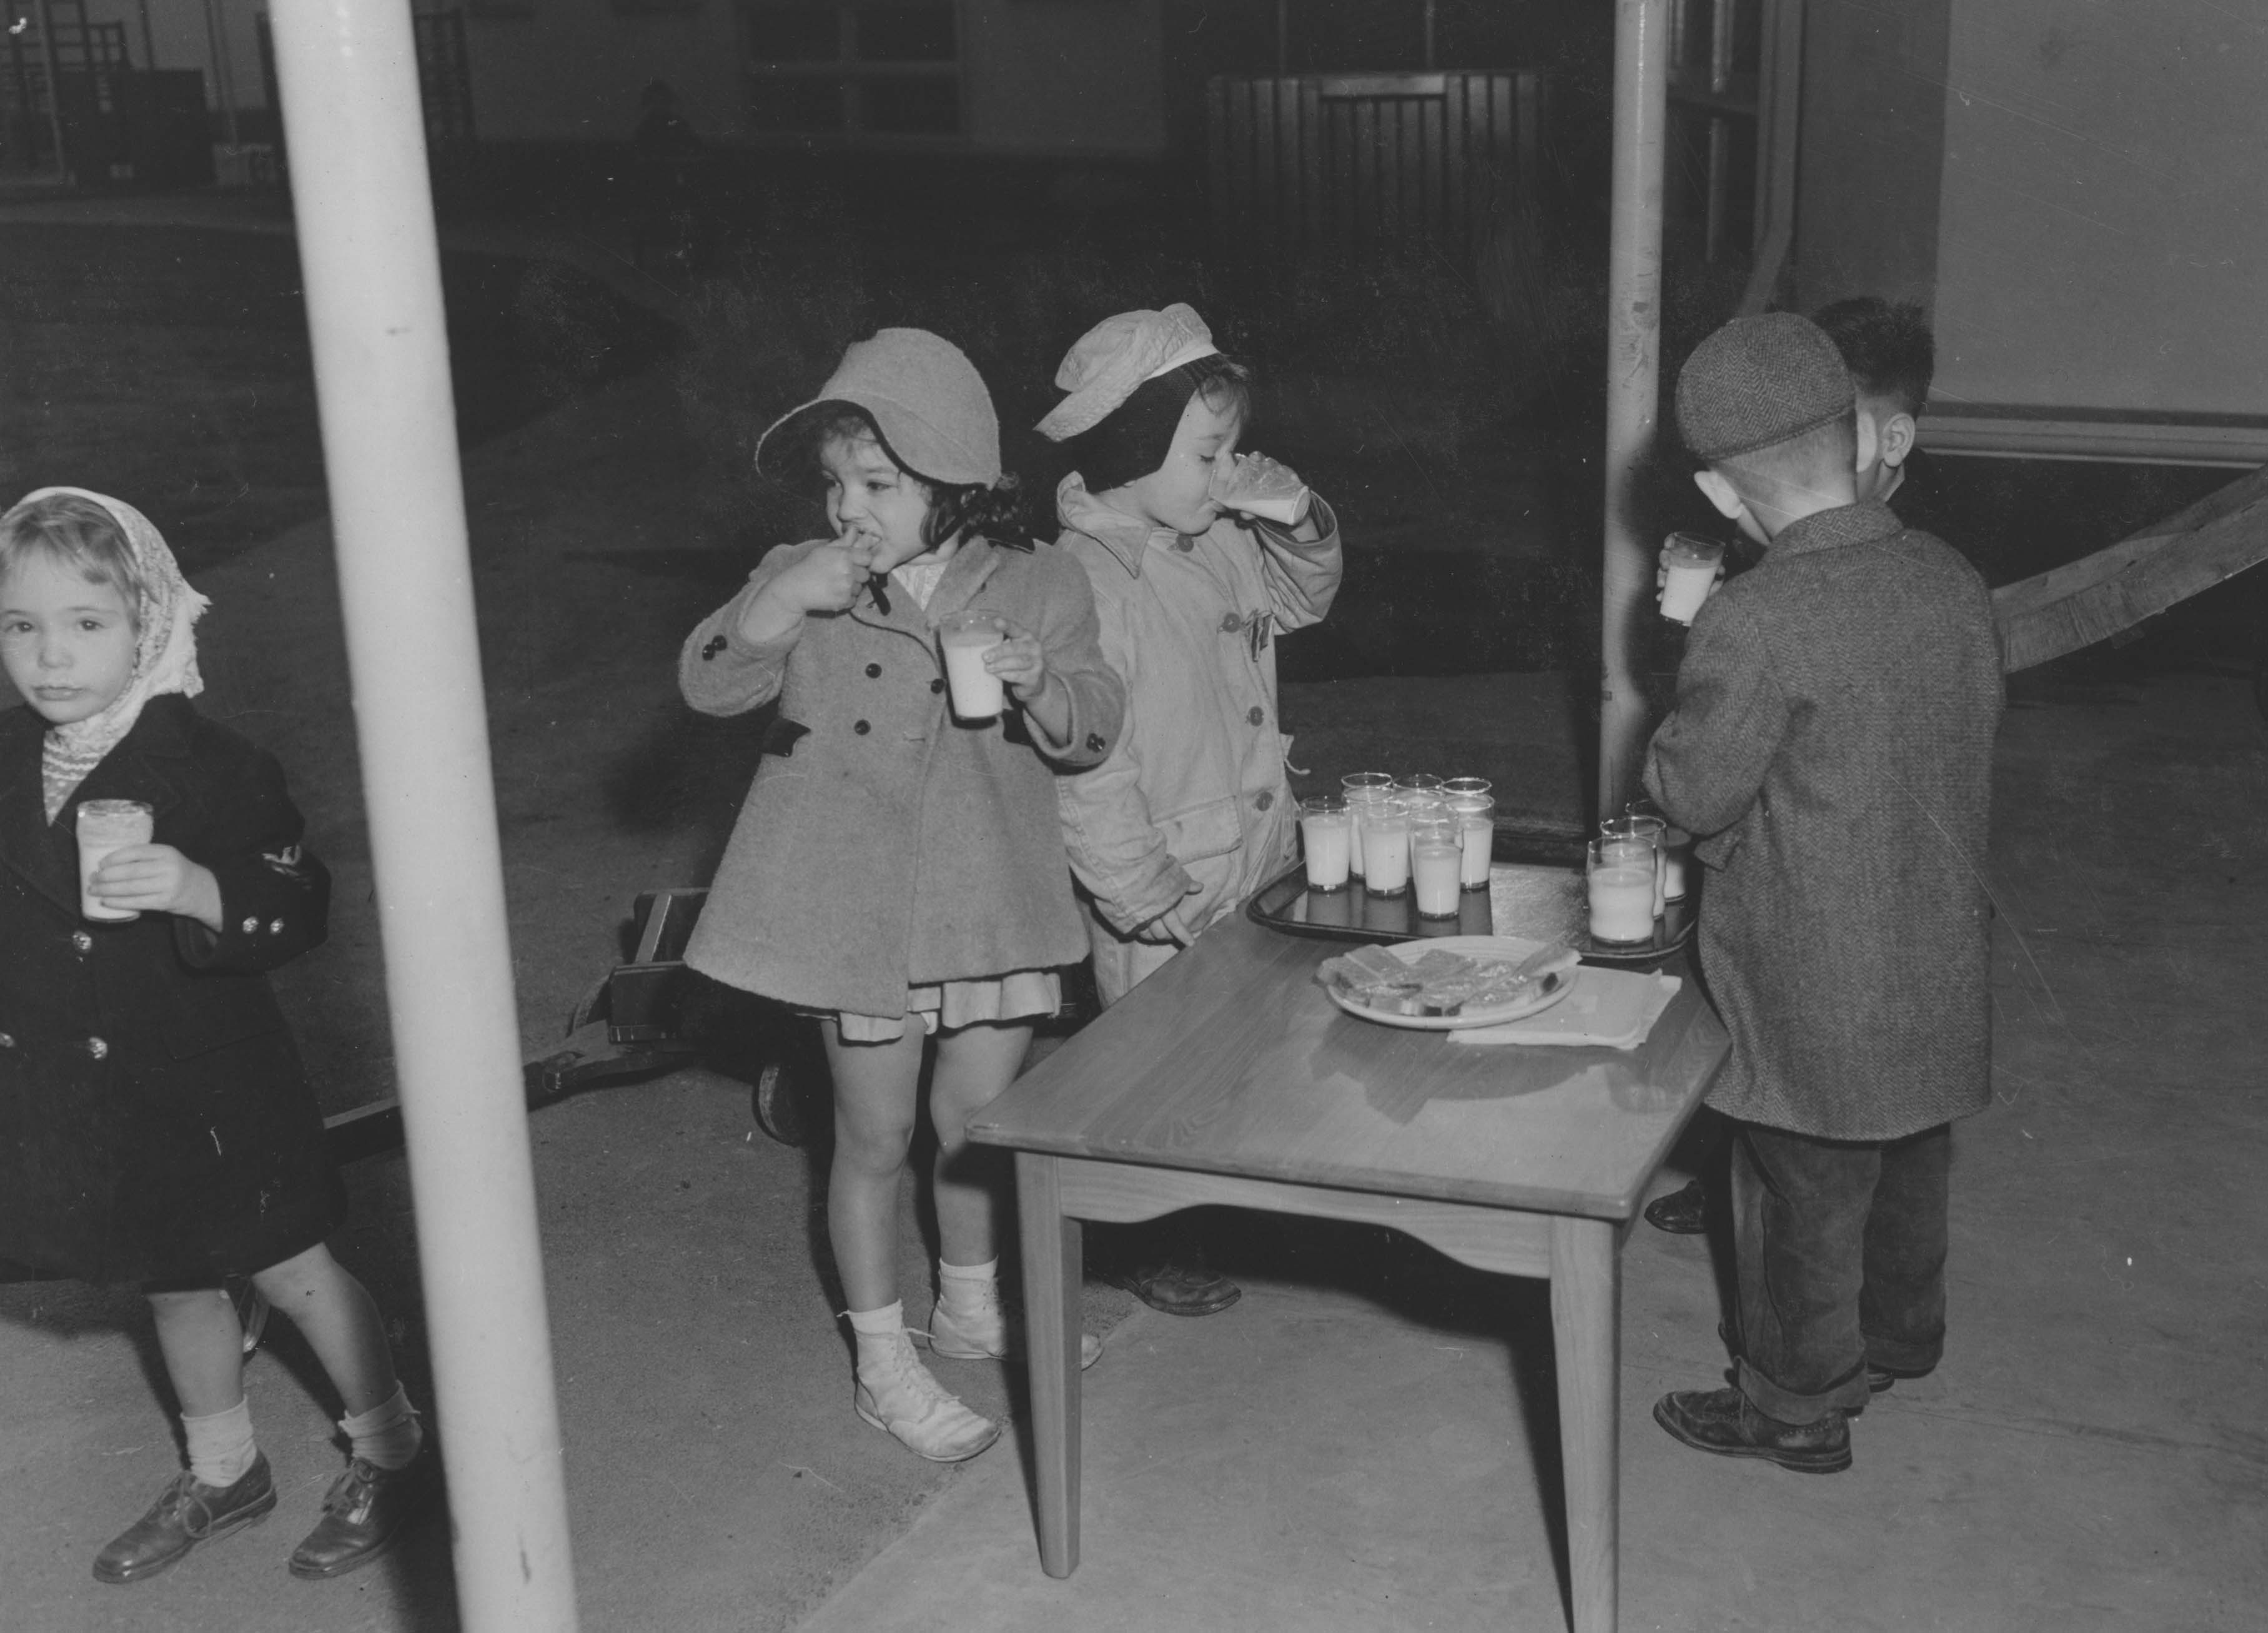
{"x": 220, "y": 1447}
{"x": 877, "y": 1329}
{"x": 388, "y": 1435}
{"x": 959, "y": 1286}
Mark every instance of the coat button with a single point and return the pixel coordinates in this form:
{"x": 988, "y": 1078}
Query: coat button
{"x": 1185, "y": 543}
{"x": 1256, "y": 714}
{"x": 938, "y": 685}
{"x": 862, "y": 727}
{"x": 874, "y": 671}
{"x": 251, "y": 927}
{"x": 715, "y": 645}
{"x": 1095, "y": 744}
{"x": 1265, "y": 801}
{"x": 98, "y": 1049}
{"x": 6, "y": 1042}
{"x": 82, "y": 941}
{"x": 1230, "y": 623}
{"x": 276, "y": 927}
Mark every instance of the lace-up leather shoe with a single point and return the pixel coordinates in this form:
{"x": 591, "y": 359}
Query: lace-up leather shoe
{"x": 986, "y": 1330}
{"x": 1179, "y": 1289}
{"x": 366, "y": 1512}
{"x": 1683, "y": 1212}
{"x": 187, "y": 1512}
{"x": 1722, "y": 1421}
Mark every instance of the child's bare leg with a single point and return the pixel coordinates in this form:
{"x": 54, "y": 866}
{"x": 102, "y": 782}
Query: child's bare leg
{"x": 973, "y": 1066}
{"x": 338, "y": 1317}
{"x": 203, "y": 1349}
{"x": 874, "y": 1093}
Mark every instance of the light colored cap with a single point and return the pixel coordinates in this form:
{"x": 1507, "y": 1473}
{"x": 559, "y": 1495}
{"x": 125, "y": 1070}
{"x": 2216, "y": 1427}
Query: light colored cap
{"x": 926, "y": 398}
{"x": 1119, "y": 354}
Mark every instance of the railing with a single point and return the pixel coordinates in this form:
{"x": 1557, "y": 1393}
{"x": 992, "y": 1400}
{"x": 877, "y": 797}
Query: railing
{"x": 1396, "y": 159}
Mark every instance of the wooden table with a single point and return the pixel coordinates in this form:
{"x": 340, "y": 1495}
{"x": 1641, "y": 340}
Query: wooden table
{"x": 1229, "y": 1077}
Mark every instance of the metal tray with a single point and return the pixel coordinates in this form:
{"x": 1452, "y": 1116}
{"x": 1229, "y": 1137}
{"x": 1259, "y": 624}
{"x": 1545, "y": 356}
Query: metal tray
{"x": 1536, "y": 889}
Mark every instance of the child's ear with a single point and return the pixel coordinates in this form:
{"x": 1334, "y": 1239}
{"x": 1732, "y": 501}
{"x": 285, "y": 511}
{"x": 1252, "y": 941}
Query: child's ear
{"x": 1722, "y": 494}
{"x": 1898, "y": 432}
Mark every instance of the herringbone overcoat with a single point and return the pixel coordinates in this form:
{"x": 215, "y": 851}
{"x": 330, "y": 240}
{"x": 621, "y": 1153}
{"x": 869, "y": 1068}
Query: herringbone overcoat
{"x": 1831, "y": 750}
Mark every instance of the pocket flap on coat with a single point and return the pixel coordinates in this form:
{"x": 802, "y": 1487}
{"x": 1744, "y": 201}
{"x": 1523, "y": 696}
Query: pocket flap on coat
{"x": 1214, "y": 829}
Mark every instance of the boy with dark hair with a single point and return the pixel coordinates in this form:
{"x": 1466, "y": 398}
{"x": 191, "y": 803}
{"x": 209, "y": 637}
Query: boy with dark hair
{"x": 1831, "y": 750}
{"x": 1891, "y": 355}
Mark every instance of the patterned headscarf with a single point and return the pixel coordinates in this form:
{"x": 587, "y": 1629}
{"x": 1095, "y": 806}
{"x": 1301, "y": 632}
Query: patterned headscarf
{"x": 165, "y": 654}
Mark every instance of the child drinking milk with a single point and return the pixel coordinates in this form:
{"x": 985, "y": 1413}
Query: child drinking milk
{"x": 896, "y": 869}
{"x": 155, "y": 1124}
{"x": 1192, "y": 811}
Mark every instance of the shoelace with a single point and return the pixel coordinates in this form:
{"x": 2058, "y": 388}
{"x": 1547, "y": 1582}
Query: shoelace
{"x": 902, "y": 1368}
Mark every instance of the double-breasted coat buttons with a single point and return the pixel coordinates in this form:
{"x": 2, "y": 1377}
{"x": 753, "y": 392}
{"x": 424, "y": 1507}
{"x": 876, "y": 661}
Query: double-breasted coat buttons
{"x": 81, "y": 942}
{"x": 715, "y": 645}
{"x": 97, "y": 1049}
{"x": 874, "y": 671}
{"x": 861, "y": 727}
{"x": 1256, "y": 714}
{"x": 1265, "y": 801}
{"x": 251, "y": 927}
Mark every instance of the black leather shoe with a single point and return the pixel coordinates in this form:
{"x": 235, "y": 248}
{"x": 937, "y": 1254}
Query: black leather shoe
{"x": 1880, "y": 1377}
{"x": 366, "y": 1512}
{"x": 1681, "y": 1212}
{"x": 187, "y": 1512}
{"x": 1179, "y": 1289}
{"x": 1722, "y": 1421}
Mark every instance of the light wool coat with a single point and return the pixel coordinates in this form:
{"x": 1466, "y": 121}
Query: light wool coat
{"x": 1192, "y": 812}
{"x": 882, "y": 845}
{"x": 1831, "y": 749}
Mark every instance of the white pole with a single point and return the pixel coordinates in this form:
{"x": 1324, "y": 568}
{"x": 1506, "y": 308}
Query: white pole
{"x": 347, "y": 71}
{"x": 1634, "y": 379}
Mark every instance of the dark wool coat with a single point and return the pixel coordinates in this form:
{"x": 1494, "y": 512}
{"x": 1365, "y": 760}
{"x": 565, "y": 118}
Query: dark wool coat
{"x": 882, "y": 845}
{"x": 1831, "y": 750}
{"x": 155, "y": 1124}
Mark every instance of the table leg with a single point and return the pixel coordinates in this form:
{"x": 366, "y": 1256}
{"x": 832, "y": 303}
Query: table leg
{"x": 1586, "y": 1338}
{"x": 1052, "y": 1278}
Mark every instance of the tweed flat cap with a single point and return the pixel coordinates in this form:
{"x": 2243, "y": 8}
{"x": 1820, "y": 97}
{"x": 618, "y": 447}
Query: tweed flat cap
{"x": 1116, "y": 355}
{"x": 1760, "y": 380}
{"x": 924, "y": 395}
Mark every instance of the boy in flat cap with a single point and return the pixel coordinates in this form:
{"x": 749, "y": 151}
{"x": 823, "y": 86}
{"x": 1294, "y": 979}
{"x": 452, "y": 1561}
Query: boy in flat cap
{"x": 1831, "y": 750}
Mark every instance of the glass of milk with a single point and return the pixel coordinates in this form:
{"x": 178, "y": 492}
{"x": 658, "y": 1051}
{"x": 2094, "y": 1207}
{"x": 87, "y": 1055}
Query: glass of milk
{"x": 1382, "y": 829}
{"x": 1476, "y": 815}
{"x": 103, "y": 826}
{"x": 1651, "y": 832}
{"x": 1362, "y": 788}
{"x": 1677, "y": 857}
{"x": 1621, "y": 877}
{"x": 1327, "y": 834}
{"x": 1437, "y": 854}
{"x": 1689, "y": 564}
{"x": 977, "y": 691}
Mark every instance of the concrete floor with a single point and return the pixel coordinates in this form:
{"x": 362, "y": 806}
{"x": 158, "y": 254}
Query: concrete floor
{"x": 1354, "y": 1446}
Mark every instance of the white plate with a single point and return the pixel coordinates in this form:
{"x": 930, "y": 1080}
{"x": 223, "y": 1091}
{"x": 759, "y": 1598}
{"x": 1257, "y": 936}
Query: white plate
{"x": 1495, "y": 948}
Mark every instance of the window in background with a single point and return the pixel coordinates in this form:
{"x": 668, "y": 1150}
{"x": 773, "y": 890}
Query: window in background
{"x": 854, "y": 70}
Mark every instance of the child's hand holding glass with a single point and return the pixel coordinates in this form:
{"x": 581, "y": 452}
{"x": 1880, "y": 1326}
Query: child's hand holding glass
{"x": 158, "y": 878}
{"x": 1021, "y": 663}
{"x": 1254, "y": 485}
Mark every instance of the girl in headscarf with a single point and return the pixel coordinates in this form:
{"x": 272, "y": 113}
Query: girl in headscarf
{"x": 156, "y": 1127}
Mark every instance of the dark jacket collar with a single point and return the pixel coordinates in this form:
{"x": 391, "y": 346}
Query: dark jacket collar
{"x": 43, "y": 852}
{"x": 1826, "y": 530}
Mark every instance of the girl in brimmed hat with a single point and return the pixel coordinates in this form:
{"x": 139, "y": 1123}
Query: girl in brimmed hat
{"x": 896, "y": 871}
{"x": 155, "y": 1124}
{"x": 1198, "y": 558}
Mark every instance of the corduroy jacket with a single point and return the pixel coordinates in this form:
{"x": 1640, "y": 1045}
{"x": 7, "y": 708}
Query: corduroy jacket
{"x": 1832, "y": 750}
{"x": 883, "y": 845}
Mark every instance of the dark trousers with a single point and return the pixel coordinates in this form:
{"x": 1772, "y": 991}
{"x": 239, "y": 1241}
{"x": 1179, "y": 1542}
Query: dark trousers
{"x": 1840, "y": 1247}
